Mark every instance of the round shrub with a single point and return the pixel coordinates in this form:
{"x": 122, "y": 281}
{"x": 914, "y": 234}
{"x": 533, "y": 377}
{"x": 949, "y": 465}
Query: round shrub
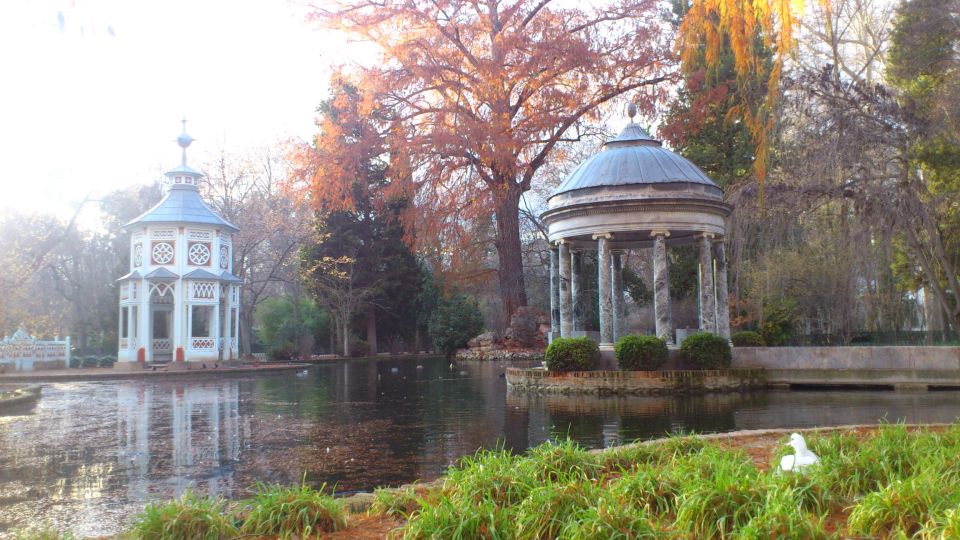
{"x": 107, "y": 361}
{"x": 644, "y": 353}
{"x": 571, "y": 354}
{"x": 90, "y": 362}
{"x": 704, "y": 350}
{"x": 747, "y": 338}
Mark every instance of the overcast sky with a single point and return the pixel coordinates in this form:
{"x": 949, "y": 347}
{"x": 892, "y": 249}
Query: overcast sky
{"x": 93, "y": 90}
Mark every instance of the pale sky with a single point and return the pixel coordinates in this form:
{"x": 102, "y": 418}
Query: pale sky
{"x": 93, "y": 91}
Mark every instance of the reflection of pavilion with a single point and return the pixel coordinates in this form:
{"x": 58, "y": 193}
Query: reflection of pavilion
{"x": 200, "y": 434}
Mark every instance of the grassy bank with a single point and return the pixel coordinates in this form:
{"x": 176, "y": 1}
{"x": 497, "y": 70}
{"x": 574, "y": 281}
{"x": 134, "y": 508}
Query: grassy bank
{"x": 893, "y": 482}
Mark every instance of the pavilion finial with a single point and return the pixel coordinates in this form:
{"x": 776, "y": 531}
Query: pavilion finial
{"x": 184, "y": 141}
{"x": 631, "y": 110}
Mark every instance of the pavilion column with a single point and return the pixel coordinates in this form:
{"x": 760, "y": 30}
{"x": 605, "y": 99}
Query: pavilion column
{"x": 723, "y": 308}
{"x": 566, "y": 305}
{"x": 146, "y": 329}
{"x": 708, "y": 304}
{"x": 576, "y": 288}
{"x": 617, "y": 295}
{"x": 178, "y": 337}
{"x": 554, "y": 291}
{"x": 661, "y": 286}
{"x": 606, "y": 304}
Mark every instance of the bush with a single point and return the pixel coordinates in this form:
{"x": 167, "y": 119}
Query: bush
{"x": 90, "y": 362}
{"x": 76, "y": 362}
{"x": 571, "y": 354}
{"x": 747, "y": 338}
{"x": 778, "y": 323}
{"x": 107, "y": 361}
{"x": 359, "y": 348}
{"x": 640, "y": 352}
{"x": 455, "y": 320}
{"x": 704, "y": 350}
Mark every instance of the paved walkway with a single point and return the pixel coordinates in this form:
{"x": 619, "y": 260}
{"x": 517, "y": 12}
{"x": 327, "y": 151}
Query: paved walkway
{"x": 95, "y": 374}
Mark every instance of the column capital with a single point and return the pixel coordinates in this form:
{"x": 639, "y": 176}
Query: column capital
{"x": 660, "y": 232}
{"x": 719, "y": 238}
{"x": 705, "y": 234}
{"x": 598, "y": 236}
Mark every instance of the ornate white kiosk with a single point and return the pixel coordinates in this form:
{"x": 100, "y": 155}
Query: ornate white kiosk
{"x": 634, "y": 193}
{"x": 180, "y": 303}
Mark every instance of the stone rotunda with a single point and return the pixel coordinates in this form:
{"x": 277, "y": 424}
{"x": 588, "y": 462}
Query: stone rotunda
{"x": 632, "y": 194}
{"x": 180, "y": 303}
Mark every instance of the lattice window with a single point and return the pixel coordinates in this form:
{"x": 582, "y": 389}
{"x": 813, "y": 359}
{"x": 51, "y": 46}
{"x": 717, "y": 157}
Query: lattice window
{"x": 224, "y": 257}
{"x": 199, "y": 235}
{"x": 138, "y": 254}
{"x": 161, "y": 345}
{"x": 162, "y": 252}
{"x": 199, "y": 253}
{"x": 163, "y": 234}
{"x": 204, "y": 290}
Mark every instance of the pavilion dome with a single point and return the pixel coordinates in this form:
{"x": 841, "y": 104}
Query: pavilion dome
{"x": 630, "y": 189}
{"x": 182, "y": 204}
{"x": 634, "y": 158}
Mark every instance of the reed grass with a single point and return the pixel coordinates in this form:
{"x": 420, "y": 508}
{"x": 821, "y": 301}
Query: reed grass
{"x": 300, "y": 512}
{"x": 45, "y": 531}
{"x": 190, "y": 516}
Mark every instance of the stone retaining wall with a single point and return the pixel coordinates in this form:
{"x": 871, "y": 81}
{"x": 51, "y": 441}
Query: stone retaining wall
{"x": 892, "y": 357}
{"x": 636, "y": 382}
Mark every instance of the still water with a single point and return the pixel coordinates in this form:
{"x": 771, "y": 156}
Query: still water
{"x": 91, "y": 454}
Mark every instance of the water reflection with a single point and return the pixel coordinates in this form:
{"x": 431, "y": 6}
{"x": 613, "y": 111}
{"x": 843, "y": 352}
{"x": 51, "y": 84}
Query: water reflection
{"x": 92, "y": 454}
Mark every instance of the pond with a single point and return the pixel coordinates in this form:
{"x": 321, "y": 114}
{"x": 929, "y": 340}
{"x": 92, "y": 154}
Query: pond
{"x": 91, "y": 454}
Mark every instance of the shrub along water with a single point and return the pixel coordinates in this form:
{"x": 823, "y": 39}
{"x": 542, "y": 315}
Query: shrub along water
{"x": 704, "y": 350}
{"x": 747, "y": 338}
{"x": 636, "y": 352}
{"x": 571, "y": 354}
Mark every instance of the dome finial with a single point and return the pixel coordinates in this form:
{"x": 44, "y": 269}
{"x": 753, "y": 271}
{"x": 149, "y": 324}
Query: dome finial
{"x": 631, "y": 110}
{"x": 184, "y": 140}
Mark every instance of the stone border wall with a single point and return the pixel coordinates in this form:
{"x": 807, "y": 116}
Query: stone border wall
{"x": 636, "y": 382}
{"x": 891, "y": 357}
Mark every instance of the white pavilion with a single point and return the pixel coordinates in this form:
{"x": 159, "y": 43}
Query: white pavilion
{"x": 180, "y": 303}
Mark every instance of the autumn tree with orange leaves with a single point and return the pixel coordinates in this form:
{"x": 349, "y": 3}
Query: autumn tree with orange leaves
{"x": 478, "y": 94}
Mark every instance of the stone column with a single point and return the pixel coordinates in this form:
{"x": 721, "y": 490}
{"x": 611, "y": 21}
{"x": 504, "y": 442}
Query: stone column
{"x": 707, "y": 300}
{"x": 617, "y": 295}
{"x": 603, "y": 281}
{"x": 566, "y": 306}
{"x": 661, "y": 286}
{"x": 554, "y": 290}
{"x": 723, "y": 296}
{"x": 576, "y": 288}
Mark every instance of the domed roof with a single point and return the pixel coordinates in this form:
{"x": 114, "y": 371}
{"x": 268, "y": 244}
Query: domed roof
{"x": 182, "y": 204}
{"x": 633, "y": 158}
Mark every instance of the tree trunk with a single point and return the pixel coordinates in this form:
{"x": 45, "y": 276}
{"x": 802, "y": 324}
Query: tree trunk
{"x": 246, "y": 331}
{"x": 372, "y": 329}
{"x": 345, "y": 323}
{"x": 512, "y": 289}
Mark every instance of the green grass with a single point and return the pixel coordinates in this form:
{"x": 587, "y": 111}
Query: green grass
{"x": 41, "y": 532}
{"x": 894, "y": 483}
{"x": 299, "y": 512}
{"x": 190, "y": 516}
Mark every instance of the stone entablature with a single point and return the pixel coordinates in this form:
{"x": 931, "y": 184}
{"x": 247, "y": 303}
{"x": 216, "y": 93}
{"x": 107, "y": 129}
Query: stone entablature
{"x": 636, "y": 382}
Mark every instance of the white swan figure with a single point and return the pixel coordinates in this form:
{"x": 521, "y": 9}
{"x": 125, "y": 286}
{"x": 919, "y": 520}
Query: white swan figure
{"x": 802, "y": 458}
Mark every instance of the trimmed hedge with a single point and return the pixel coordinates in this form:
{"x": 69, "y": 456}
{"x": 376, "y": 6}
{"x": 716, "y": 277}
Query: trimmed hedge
{"x": 704, "y": 350}
{"x": 747, "y": 338}
{"x": 90, "y": 361}
{"x": 571, "y": 354}
{"x": 640, "y": 353}
{"x": 107, "y": 361}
